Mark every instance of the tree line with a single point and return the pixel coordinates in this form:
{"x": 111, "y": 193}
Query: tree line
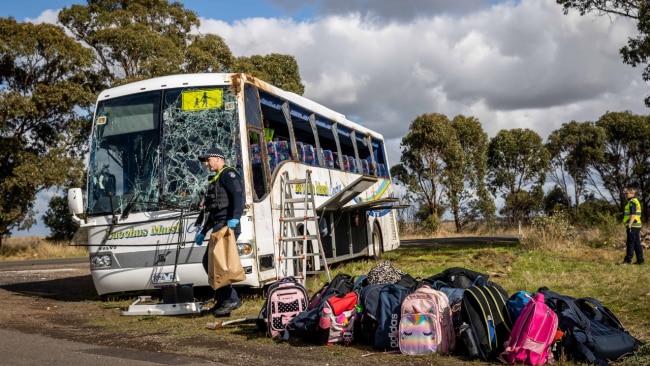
{"x": 451, "y": 166}
{"x": 50, "y": 76}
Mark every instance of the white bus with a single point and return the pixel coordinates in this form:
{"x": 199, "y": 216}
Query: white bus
{"x": 144, "y": 181}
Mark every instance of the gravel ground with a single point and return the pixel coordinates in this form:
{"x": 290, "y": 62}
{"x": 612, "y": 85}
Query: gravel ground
{"x": 60, "y": 301}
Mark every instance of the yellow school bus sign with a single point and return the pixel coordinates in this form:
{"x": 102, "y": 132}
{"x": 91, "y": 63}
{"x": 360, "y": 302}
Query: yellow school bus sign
{"x": 197, "y": 100}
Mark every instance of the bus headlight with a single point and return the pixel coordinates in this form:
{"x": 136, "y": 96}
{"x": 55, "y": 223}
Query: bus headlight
{"x": 101, "y": 261}
{"x": 244, "y": 249}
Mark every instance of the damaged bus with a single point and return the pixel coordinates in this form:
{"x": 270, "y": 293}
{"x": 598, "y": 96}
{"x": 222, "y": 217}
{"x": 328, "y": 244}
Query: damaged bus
{"x": 140, "y": 206}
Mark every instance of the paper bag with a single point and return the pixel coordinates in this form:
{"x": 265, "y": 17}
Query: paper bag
{"x": 224, "y": 265}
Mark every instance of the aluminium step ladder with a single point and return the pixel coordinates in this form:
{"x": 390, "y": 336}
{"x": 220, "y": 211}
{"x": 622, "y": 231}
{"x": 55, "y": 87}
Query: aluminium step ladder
{"x": 299, "y": 230}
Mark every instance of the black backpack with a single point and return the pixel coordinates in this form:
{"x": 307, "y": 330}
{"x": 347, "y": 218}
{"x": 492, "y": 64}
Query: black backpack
{"x": 591, "y": 331}
{"x": 459, "y": 277}
{"x": 486, "y": 321}
{"x": 339, "y": 285}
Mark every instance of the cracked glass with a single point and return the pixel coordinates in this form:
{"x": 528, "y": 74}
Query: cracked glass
{"x": 145, "y": 148}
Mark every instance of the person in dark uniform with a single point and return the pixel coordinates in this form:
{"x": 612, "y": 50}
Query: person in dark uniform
{"x": 224, "y": 205}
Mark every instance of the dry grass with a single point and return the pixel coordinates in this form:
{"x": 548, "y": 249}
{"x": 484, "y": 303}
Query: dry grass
{"x": 37, "y": 247}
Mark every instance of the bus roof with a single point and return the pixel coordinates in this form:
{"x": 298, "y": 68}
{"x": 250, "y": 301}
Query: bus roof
{"x": 205, "y": 79}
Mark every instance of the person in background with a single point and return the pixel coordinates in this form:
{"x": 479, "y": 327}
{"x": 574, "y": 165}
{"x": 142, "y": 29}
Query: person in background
{"x": 224, "y": 205}
{"x": 632, "y": 221}
{"x": 268, "y": 132}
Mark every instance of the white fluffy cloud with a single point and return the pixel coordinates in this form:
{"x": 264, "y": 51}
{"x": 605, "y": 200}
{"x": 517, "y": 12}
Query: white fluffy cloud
{"x": 514, "y": 64}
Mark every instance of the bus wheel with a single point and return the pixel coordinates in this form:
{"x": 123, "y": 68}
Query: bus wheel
{"x": 377, "y": 242}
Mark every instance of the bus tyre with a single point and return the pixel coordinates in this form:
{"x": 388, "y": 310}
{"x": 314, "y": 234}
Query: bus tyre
{"x": 377, "y": 242}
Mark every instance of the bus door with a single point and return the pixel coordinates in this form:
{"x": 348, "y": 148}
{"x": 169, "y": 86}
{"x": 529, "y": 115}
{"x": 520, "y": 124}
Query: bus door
{"x": 264, "y": 244}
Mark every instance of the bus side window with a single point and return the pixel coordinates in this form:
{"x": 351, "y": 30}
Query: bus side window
{"x": 310, "y": 158}
{"x": 284, "y": 152}
{"x": 353, "y": 164}
{"x": 328, "y": 158}
{"x": 365, "y": 167}
{"x": 381, "y": 170}
{"x": 273, "y": 154}
{"x": 259, "y": 179}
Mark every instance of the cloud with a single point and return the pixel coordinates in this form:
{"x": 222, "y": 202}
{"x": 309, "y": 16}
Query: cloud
{"x": 511, "y": 64}
{"x": 384, "y": 10}
{"x": 47, "y": 16}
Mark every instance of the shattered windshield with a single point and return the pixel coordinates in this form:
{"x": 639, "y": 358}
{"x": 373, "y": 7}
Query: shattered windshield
{"x": 132, "y": 166}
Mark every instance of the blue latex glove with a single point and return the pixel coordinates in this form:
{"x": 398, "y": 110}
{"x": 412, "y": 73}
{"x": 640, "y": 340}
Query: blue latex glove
{"x": 232, "y": 223}
{"x": 199, "y": 239}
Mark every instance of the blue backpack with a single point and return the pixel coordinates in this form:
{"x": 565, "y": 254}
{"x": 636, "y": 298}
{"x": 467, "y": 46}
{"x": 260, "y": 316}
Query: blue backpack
{"x": 516, "y": 303}
{"x": 381, "y": 311}
{"x": 591, "y": 331}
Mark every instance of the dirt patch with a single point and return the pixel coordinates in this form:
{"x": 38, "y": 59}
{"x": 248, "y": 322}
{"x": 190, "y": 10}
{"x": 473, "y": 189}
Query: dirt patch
{"x": 61, "y": 302}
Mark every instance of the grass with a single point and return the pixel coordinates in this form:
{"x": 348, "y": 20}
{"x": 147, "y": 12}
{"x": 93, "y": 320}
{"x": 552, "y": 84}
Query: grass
{"x": 38, "y": 247}
{"x": 566, "y": 265}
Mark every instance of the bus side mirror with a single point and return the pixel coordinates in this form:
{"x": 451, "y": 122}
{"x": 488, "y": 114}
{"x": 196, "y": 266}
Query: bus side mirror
{"x": 75, "y": 201}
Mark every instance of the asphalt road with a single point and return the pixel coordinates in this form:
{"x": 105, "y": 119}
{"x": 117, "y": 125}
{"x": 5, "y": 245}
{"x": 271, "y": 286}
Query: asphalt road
{"x": 20, "y": 349}
{"x": 459, "y": 241}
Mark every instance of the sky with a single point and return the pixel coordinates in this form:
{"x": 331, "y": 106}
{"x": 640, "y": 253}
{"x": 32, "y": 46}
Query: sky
{"x": 382, "y": 63}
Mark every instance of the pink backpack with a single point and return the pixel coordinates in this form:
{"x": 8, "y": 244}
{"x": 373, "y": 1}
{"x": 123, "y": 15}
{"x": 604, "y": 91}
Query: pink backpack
{"x": 285, "y": 299}
{"x": 426, "y": 325}
{"x": 532, "y": 335}
{"x": 338, "y": 316}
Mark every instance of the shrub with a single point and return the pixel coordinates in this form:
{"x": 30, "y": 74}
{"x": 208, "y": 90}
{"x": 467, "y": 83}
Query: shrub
{"x": 550, "y": 232}
{"x": 431, "y": 224}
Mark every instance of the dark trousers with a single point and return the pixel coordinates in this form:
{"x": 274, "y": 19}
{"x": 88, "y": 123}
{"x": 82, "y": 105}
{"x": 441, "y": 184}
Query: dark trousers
{"x": 633, "y": 246}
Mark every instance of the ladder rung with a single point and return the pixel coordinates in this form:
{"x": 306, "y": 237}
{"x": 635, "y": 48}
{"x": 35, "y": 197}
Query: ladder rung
{"x": 296, "y": 219}
{"x": 298, "y": 207}
{"x": 301, "y": 256}
{"x": 300, "y": 238}
{"x": 295, "y": 200}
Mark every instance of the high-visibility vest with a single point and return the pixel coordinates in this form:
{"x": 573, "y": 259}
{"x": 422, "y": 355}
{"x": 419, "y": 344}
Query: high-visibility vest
{"x": 268, "y": 134}
{"x": 637, "y": 215}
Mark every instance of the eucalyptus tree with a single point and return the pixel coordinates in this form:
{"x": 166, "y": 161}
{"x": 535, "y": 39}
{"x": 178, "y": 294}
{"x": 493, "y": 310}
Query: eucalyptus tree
{"x": 138, "y": 39}
{"x": 517, "y": 165}
{"x": 277, "y": 69}
{"x": 573, "y": 149}
{"x": 423, "y": 163}
{"x": 44, "y": 99}
{"x": 637, "y": 50}
{"x": 626, "y": 157}
{"x": 468, "y": 195}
